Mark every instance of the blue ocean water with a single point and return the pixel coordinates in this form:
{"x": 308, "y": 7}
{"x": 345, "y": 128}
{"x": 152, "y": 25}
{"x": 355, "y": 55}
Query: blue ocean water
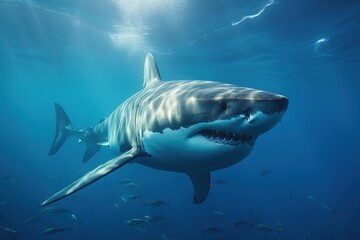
{"x": 88, "y": 56}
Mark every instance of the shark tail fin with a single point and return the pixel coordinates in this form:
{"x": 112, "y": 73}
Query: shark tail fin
{"x": 62, "y": 131}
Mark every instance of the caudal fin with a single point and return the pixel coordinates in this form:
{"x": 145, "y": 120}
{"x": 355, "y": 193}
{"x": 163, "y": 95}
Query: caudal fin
{"x": 62, "y": 132}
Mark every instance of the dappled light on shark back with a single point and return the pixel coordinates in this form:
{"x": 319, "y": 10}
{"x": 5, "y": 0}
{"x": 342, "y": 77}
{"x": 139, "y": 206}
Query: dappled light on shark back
{"x": 189, "y": 126}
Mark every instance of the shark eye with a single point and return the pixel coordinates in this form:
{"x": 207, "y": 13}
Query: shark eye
{"x": 223, "y": 106}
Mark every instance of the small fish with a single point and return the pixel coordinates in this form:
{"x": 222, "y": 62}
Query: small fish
{"x": 3, "y": 203}
{"x": 265, "y": 172}
{"x": 211, "y": 230}
{"x": 54, "y": 179}
{"x": 157, "y": 203}
{"x": 125, "y": 181}
{"x": 131, "y": 185}
{"x": 323, "y": 205}
{"x": 135, "y": 221}
{"x": 32, "y": 219}
{"x": 155, "y": 218}
{"x": 217, "y": 213}
{"x": 73, "y": 217}
{"x": 244, "y": 225}
{"x": 133, "y": 197}
{"x": 327, "y": 208}
{"x": 311, "y": 198}
{"x": 255, "y": 216}
{"x": 53, "y": 230}
{"x": 126, "y": 197}
{"x": 10, "y": 230}
{"x": 221, "y": 182}
{"x": 164, "y": 237}
{"x": 116, "y": 205}
{"x": 263, "y": 227}
{"x": 279, "y": 227}
{"x": 141, "y": 229}
{"x": 55, "y": 210}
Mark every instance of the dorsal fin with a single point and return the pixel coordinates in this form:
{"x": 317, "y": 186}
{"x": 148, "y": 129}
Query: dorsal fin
{"x": 151, "y": 72}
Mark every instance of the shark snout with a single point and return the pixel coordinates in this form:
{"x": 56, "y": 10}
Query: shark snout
{"x": 283, "y": 103}
{"x": 269, "y": 106}
{"x": 280, "y": 104}
{"x": 265, "y": 114}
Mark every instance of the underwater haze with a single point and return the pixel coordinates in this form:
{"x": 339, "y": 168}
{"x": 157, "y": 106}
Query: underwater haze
{"x": 302, "y": 179}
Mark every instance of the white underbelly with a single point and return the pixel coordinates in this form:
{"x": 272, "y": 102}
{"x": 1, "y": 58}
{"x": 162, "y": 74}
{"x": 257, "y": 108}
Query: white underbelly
{"x": 174, "y": 151}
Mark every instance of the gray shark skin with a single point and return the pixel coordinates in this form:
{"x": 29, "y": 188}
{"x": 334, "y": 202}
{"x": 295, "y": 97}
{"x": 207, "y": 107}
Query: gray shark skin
{"x": 188, "y": 126}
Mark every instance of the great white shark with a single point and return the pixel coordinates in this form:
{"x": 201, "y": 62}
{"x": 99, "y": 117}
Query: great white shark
{"x": 188, "y": 126}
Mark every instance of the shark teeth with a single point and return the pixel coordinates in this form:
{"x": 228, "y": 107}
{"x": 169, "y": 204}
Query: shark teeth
{"x": 227, "y": 138}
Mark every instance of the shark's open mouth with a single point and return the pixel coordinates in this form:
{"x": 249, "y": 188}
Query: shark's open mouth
{"x": 228, "y": 138}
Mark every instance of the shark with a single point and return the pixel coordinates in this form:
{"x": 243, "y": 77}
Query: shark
{"x": 188, "y": 126}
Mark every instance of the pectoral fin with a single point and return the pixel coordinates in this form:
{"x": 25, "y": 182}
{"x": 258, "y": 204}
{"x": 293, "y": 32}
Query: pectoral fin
{"x": 201, "y": 184}
{"x": 93, "y": 175}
